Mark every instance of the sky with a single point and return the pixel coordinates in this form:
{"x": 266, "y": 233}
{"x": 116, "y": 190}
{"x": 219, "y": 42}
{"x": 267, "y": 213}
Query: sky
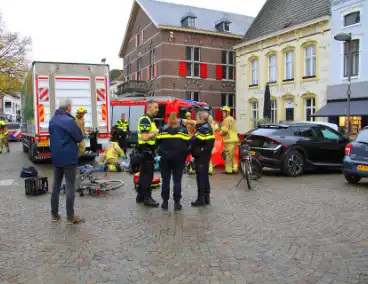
{"x": 88, "y": 30}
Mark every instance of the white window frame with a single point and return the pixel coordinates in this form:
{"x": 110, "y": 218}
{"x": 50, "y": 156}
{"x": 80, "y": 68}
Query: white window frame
{"x": 254, "y": 110}
{"x": 254, "y": 72}
{"x": 227, "y": 100}
{"x": 192, "y": 96}
{"x": 228, "y": 66}
{"x": 274, "y": 111}
{"x": 345, "y": 12}
{"x": 191, "y": 22}
{"x": 194, "y": 62}
{"x": 139, "y": 39}
{"x": 310, "y": 60}
{"x": 312, "y": 107}
{"x": 289, "y": 73}
{"x": 343, "y": 59}
{"x": 152, "y": 58}
{"x": 272, "y": 69}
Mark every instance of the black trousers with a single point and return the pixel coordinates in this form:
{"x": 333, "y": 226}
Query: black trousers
{"x": 146, "y": 170}
{"x": 202, "y": 176}
{"x": 175, "y": 167}
{"x": 123, "y": 144}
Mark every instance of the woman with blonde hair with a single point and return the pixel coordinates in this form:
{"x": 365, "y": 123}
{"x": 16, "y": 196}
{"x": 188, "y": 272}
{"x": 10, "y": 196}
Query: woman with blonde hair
{"x": 173, "y": 143}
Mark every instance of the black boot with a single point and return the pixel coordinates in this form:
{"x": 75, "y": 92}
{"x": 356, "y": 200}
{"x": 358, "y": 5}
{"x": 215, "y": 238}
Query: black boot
{"x": 199, "y": 202}
{"x": 139, "y": 199}
{"x": 150, "y": 202}
{"x": 177, "y": 206}
{"x": 207, "y": 199}
{"x": 165, "y": 205}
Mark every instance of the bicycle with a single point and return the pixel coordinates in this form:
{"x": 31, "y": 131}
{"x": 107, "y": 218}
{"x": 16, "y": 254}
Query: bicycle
{"x": 86, "y": 181}
{"x": 250, "y": 166}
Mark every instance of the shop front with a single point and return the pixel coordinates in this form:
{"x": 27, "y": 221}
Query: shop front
{"x": 336, "y": 112}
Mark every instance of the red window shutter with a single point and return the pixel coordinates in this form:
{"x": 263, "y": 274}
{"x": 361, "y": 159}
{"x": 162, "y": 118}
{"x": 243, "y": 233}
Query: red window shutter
{"x": 218, "y": 115}
{"x": 218, "y": 72}
{"x": 182, "y": 69}
{"x": 203, "y": 70}
{"x": 155, "y": 71}
{"x": 136, "y": 76}
{"x": 148, "y": 74}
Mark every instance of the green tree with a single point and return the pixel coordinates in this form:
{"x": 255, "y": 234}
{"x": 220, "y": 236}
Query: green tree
{"x": 115, "y": 75}
{"x": 13, "y": 62}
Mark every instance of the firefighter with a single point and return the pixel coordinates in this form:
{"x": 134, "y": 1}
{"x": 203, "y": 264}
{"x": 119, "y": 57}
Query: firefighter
{"x": 3, "y": 137}
{"x": 215, "y": 128}
{"x": 147, "y": 132}
{"x": 122, "y": 132}
{"x": 79, "y": 118}
{"x": 111, "y": 157}
{"x": 173, "y": 141}
{"x": 230, "y": 135}
{"x": 201, "y": 147}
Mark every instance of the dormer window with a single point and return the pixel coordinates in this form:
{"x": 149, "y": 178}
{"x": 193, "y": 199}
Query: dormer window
{"x": 223, "y": 26}
{"x": 189, "y": 22}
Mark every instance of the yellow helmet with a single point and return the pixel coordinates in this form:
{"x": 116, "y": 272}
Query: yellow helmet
{"x": 188, "y": 113}
{"x": 2, "y": 123}
{"x": 226, "y": 108}
{"x": 81, "y": 110}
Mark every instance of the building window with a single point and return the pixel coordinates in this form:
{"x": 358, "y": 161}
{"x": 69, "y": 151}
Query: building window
{"x": 194, "y": 96}
{"x": 139, "y": 69}
{"x": 254, "y": 72}
{"x": 289, "y": 65}
{"x": 273, "y": 111}
{"x": 128, "y": 71}
{"x": 272, "y": 69}
{"x": 228, "y": 64}
{"x": 223, "y": 27}
{"x": 152, "y": 64}
{"x": 189, "y": 22}
{"x": 228, "y": 100}
{"x": 193, "y": 55}
{"x": 352, "y": 19}
{"x": 254, "y": 113}
{"x": 139, "y": 39}
{"x": 310, "y": 61}
{"x": 309, "y": 108}
{"x": 355, "y": 58}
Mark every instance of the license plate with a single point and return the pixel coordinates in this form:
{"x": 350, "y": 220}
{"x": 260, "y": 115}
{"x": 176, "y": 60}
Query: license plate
{"x": 43, "y": 143}
{"x": 253, "y": 153}
{"x": 362, "y": 168}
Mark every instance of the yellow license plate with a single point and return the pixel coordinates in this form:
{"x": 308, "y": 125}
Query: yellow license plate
{"x": 362, "y": 168}
{"x": 253, "y": 153}
{"x": 43, "y": 143}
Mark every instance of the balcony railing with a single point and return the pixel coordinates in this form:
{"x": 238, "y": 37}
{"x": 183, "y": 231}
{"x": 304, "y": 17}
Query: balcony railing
{"x": 132, "y": 87}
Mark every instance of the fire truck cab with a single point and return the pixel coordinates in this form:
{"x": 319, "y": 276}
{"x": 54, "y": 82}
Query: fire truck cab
{"x": 135, "y": 107}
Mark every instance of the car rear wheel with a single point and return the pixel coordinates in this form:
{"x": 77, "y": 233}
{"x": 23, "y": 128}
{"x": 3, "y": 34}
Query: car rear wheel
{"x": 293, "y": 164}
{"x": 352, "y": 178}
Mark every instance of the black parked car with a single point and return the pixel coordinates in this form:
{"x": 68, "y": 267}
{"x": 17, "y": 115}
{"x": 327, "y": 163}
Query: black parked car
{"x": 356, "y": 158}
{"x": 296, "y": 147}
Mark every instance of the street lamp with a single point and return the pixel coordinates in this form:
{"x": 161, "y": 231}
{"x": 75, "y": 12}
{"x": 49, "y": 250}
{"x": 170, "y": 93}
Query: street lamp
{"x": 344, "y": 37}
{"x": 103, "y": 60}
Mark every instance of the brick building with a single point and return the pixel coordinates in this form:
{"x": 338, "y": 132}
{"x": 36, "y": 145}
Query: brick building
{"x": 181, "y": 51}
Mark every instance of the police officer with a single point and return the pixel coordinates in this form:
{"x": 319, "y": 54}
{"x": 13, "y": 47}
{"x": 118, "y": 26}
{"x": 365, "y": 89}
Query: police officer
{"x": 173, "y": 141}
{"x": 215, "y": 128}
{"x": 230, "y": 135}
{"x": 79, "y": 118}
{"x": 201, "y": 147}
{"x": 122, "y": 129}
{"x": 147, "y": 131}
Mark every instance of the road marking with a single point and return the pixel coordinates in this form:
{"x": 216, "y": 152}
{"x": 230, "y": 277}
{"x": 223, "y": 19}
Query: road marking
{"x": 6, "y": 182}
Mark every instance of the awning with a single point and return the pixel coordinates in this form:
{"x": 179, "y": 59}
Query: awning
{"x": 357, "y": 108}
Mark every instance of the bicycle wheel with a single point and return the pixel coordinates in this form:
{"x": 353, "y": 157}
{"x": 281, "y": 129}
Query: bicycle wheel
{"x": 113, "y": 184}
{"x": 256, "y": 169}
{"x": 246, "y": 172}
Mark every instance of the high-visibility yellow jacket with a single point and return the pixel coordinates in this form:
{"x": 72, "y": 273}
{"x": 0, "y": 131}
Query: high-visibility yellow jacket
{"x": 80, "y": 122}
{"x": 113, "y": 152}
{"x": 4, "y": 132}
{"x": 229, "y": 131}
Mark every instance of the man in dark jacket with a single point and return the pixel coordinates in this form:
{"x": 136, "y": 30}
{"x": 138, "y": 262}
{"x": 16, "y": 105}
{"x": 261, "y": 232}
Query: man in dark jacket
{"x": 64, "y": 138}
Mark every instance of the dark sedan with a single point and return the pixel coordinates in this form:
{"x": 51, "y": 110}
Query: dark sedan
{"x": 296, "y": 147}
{"x": 356, "y": 158}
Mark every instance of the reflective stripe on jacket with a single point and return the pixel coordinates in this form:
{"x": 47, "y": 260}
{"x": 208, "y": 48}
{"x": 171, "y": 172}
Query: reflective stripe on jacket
{"x": 4, "y": 132}
{"x": 173, "y": 142}
{"x": 146, "y": 125}
{"x": 122, "y": 125}
{"x": 113, "y": 152}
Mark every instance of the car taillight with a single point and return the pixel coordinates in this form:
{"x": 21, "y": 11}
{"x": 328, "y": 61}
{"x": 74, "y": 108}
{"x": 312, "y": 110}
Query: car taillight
{"x": 348, "y": 149}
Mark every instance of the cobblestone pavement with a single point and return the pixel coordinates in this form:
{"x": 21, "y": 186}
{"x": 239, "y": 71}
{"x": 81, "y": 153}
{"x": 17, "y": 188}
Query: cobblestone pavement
{"x": 312, "y": 229}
